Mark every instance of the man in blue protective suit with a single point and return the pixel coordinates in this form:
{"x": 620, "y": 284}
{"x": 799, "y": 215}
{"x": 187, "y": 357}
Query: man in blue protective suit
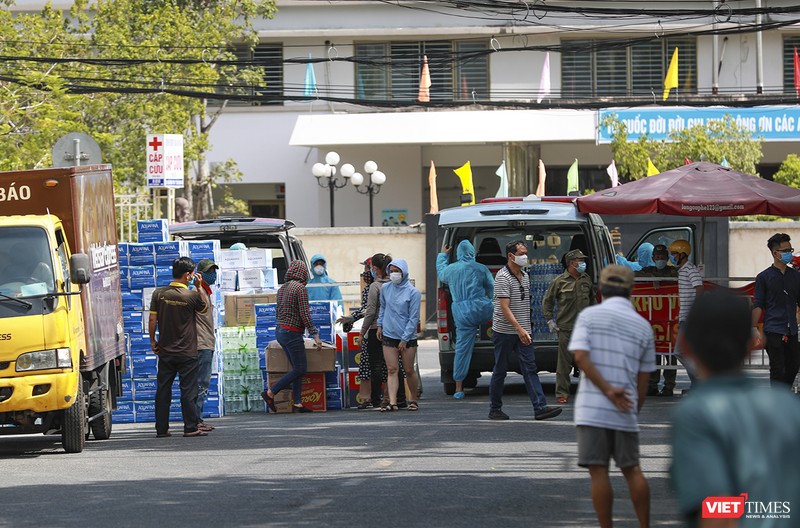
{"x": 472, "y": 289}
{"x": 319, "y": 275}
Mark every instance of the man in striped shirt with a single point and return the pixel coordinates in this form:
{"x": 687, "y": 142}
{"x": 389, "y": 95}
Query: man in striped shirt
{"x": 690, "y": 286}
{"x": 511, "y": 330}
{"x": 614, "y": 348}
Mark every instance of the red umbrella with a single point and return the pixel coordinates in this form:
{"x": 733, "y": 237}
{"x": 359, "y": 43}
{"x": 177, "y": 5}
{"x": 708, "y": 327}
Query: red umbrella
{"x": 697, "y": 189}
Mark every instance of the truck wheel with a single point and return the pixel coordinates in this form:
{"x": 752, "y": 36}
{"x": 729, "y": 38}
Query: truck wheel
{"x": 449, "y": 388}
{"x": 73, "y": 426}
{"x": 98, "y": 402}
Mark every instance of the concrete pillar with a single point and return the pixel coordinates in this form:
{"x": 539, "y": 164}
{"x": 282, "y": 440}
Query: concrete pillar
{"x": 522, "y": 160}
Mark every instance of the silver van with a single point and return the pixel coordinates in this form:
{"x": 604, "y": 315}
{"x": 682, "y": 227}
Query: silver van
{"x": 550, "y": 228}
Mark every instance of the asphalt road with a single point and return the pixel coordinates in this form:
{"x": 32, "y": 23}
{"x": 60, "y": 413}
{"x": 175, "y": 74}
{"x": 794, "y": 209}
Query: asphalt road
{"x": 445, "y": 465}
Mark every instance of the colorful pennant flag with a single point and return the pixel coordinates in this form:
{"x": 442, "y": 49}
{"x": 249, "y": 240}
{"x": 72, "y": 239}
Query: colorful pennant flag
{"x": 434, "y": 194}
{"x": 651, "y": 169}
{"x": 502, "y": 191}
{"x": 671, "y": 80}
{"x": 724, "y": 162}
{"x": 572, "y": 179}
{"x": 612, "y": 173}
{"x": 687, "y": 161}
{"x": 424, "y": 95}
{"x": 464, "y": 174}
{"x": 544, "y": 81}
{"x": 542, "y": 179}
{"x": 796, "y": 72}
{"x": 310, "y": 88}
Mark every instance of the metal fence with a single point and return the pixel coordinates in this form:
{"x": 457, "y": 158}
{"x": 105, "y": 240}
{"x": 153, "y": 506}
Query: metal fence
{"x": 130, "y": 209}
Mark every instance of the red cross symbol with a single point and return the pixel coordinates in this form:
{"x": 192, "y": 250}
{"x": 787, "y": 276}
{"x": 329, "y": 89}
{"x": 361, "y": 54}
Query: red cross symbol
{"x": 155, "y": 143}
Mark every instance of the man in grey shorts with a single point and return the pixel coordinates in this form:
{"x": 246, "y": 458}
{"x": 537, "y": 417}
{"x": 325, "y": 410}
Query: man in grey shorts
{"x": 614, "y": 348}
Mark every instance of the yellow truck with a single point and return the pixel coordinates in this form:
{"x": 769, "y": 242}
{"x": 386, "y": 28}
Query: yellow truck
{"x": 62, "y": 347}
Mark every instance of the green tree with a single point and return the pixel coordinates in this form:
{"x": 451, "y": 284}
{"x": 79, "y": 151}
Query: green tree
{"x": 789, "y": 171}
{"x": 120, "y": 53}
{"x": 713, "y": 141}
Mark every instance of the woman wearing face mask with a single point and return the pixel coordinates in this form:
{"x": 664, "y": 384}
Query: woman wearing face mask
{"x": 205, "y": 336}
{"x": 397, "y": 328}
{"x": 321, "y": 287}
{"x": 573, "y": 290}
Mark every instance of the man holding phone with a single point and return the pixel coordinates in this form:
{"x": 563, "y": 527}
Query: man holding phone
{"x": 173, "y": 312}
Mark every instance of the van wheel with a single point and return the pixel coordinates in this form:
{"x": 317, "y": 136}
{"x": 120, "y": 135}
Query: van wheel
{"x": 73, "y": 427}
{"x": 471, "y": 381}
{"x": 449, "y": 388}
{"x": 98, "y": 402}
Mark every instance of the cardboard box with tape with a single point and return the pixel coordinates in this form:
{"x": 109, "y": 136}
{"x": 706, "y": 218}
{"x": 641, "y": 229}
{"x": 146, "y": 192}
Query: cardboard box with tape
{"x": 323, "y": 360}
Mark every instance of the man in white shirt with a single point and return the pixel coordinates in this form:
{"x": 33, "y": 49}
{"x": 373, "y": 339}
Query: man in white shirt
{"x": 614, "y": 348}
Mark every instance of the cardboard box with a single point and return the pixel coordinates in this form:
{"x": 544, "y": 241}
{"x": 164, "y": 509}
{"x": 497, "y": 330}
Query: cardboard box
{"x": 240, "y": 307}
{"x": 314, "y": 394}
{"x": 226, "y": 278}
{"x": 258, "y": 278}
{"x": 228, "y": 259}
{"x": 318, "y": 360}
{"x": 152, "y": 226}
{"x": 257, "y": 258}
{"x": 153, "y": 237}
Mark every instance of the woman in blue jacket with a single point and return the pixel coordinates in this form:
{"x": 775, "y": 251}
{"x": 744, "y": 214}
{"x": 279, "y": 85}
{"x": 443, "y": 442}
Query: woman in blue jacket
{"x": 397, "y": 328}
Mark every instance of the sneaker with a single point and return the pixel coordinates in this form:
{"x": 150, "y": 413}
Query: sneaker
{"x": 301, "y": 409}
{"x": 497, "y": 415}
{"x": 459, "y": 395}
{"x": 269, "y": 401}
{"x": 666, "y": 393}
{"x": 547, "y": 412}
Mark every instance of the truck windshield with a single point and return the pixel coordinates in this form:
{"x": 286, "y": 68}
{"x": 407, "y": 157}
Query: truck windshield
{"x": 26, "y": 264}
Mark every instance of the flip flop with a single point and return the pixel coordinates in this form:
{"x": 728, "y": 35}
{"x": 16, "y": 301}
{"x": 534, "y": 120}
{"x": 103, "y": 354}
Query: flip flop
{"x": 198, "y": 432}
{"x": 205, "y": 427}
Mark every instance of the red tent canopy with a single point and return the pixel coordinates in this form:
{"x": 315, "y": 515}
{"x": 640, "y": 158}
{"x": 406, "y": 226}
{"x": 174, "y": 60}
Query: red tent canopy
{"x": 697, "y": 189}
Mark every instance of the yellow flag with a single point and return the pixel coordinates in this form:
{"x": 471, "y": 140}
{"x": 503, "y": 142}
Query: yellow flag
{"x": 464, "y": 173}
{"x": 434, "y": 195}
{"x": 671, "y": 80}
{"x": 651, "y": 169}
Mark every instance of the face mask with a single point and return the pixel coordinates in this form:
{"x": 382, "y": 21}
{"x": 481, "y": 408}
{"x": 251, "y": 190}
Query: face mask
{"x": 786, "y": 258}
{"x": 210, "y": 277}
{"x": 661, "y": 264}
{"x": 672, "y": 260}
{"x": 521, "y": 260}
{"x": 319, "y": 270}
{"x": 372, "y": 272}
{"x": 396, "y": 277}
{"x": 581, "y": 267}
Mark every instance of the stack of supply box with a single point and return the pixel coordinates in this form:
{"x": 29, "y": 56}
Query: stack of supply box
{"x": 247, "y": 279}
{"x": 143, "y": 267}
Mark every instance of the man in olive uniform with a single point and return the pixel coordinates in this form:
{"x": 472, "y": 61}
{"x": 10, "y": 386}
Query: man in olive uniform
{"x": 573, "y": 291}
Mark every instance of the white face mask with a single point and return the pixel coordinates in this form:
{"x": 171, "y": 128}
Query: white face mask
{"x": 521, "y": 260}
{"x": 319, "y": 270}
{"x": 396, "y": 277}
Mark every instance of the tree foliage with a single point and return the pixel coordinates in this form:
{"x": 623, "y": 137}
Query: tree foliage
{"x": 789, "y": 171}
{"x": 120, "y": 35}
{"x": 713, "y": 141}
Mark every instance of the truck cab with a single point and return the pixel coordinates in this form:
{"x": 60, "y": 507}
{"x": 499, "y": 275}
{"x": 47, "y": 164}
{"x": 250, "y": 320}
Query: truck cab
{"x": 550, "y": 228}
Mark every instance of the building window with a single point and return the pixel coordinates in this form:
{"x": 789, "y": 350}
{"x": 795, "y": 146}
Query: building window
{"x": 391, "y": 70}
{"x": 789, "y": 45}
{"x": 269, "y": 58}
{"x": 591, "y": 69}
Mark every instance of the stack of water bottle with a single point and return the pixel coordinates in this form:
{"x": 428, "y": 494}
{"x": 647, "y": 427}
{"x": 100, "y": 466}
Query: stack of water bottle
{"x": 143, "y": 267}
{"x": 541, "y": 275}
{"x": 242, "y": 368}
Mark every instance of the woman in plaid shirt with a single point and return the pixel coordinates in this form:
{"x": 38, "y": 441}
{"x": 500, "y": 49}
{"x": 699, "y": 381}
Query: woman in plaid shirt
{"x": 294, "y": 317}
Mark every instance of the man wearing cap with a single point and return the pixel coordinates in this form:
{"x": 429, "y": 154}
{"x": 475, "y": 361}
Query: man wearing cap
{"x": 615, "y": 350}
{"x": 206, "y": 341}
{"x": 573, "y": 291}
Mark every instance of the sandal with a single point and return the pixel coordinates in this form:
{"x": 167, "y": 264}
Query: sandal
{"x": 412, "y": 406}
{"x": 390, "y": 407}
{"x": 270, "y": 402}
{"x": 205, "y": 427}
{"x": 197, "y": 432}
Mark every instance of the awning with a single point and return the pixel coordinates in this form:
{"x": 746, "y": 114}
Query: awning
{"x": 445, "y": 127}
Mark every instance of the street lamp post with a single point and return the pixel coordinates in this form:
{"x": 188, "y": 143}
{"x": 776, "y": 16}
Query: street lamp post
{"x": 371, "y": 188}
{"x": 325, "y": 173}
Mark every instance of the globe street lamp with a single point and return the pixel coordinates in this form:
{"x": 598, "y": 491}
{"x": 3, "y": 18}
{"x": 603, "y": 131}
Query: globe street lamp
{"x": 372, "y": 187}
{"x": 325, "y": 173}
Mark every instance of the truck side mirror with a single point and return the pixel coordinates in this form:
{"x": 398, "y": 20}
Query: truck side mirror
{"x": 80, "y": 269}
